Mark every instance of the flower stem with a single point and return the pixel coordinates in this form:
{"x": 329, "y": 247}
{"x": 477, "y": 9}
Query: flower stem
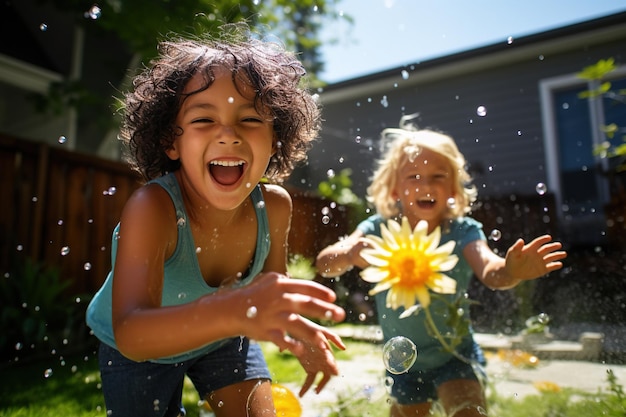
{"x": 431, "y": 325}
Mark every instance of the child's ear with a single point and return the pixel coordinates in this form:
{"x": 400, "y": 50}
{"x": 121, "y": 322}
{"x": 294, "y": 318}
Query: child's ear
{"x": 172, "y": 153}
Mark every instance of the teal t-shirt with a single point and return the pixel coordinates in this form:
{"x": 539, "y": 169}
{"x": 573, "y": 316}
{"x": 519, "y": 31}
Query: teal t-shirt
{"x": 430, "y": 352}
{"x": 182, "y": 280}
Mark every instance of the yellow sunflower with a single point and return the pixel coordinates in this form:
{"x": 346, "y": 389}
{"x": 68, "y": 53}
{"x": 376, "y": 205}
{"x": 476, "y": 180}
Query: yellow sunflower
{"x": 409, "y": 263}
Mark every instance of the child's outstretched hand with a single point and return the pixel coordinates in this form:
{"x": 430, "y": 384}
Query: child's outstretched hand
{"x": 317, "y": 359}
{"x": 535, "y": 259}
{"x": 273, "y": 308}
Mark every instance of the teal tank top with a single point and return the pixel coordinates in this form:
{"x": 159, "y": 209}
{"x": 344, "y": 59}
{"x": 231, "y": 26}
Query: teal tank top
{"x": 182, "y": 281}
{"x": 431, "y": 354}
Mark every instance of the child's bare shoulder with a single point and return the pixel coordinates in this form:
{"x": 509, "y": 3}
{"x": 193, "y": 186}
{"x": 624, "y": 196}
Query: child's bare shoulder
{"x": 150, "y": 200}
{"x": 277, "y": 199}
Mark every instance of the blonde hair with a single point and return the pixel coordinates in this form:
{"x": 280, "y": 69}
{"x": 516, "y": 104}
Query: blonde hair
{"x": 399, "y": 146}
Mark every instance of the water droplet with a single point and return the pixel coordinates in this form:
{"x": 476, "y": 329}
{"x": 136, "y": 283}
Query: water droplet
{"x": 495, "y": 235}
{"x": 18, "y": 346}
{"x": 65, "y": 250}
{"x": 325, "y": 219}
{"x": 509, "y": 40}
{"x": 384, "y": 102}
{"x": 220, "y": 404}
{"x": 181, "y": 222}
{"x": 543, "y": 318}
{"x": 87, "y": 266}
{"x": 60, "y": 222}
{"x": 541, "y": 188}
{"x": 19, "y": 248}
{"x": 251, "y": 312}
{"x": 362, "y": 317}
{"x": 357, "y": 139}
{"x": 43, "y": 27}
{"x": 182, "y": 296}
{"x": 94, "y": 12}
{"x": 62, "y": 140}
{"x": 399, "y": 354}
{"x": 47, "y": 373}
{"x": 330, "y": 173}
{"x": 481, "y": 111}
{"x": 198, "y": 249}
{"x": 112, "y": 190}
{"x": 325, "y": 211}
{"x": 451, "y": 203}
{"x": 405, "y": 74}
{"x": 260, "y": 204}
{"x": 388, "y": 383}
{"x": 231, "y": 100}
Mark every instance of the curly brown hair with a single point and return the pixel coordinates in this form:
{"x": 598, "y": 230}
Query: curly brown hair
{"x": 276, "y": 76}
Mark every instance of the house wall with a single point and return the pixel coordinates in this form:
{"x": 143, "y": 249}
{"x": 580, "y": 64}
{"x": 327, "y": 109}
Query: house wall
{"x": 505, "y": 148}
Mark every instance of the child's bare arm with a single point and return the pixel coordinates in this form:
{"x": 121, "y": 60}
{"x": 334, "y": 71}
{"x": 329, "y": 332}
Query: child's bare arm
{"x": 315, "y": 357}
{"x": 341, "y": 256}
{"x": 146, "y": 330}
{"x": 522, "y": 262}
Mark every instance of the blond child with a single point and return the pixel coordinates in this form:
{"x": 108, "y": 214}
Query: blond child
{"x": 422, "y": 176}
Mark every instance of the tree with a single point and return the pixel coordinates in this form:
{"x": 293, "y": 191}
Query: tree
{"x": 138, "y": 25}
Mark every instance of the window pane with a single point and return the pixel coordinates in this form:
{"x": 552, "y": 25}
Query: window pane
{"x": 576, "y": 160}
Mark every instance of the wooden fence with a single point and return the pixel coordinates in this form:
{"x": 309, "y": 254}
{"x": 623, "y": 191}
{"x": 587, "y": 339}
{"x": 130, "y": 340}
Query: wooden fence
{"x": 61, "y": 209}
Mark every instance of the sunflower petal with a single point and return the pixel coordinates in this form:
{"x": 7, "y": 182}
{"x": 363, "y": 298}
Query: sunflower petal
{"x": 443, "y": 284}
{"x": 414, "y": 309}
{"x": 448, "y": 263}
{"x": 423, "y": 296}
{"x": 375, "y": 258}
{"x": 373, "y": 274}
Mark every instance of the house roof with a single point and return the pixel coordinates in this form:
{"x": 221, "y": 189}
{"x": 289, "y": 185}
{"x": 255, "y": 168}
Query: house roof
{"x": 539, "y": 45}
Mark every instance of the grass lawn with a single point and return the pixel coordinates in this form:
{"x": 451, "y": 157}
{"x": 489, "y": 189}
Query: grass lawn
{"x": 71, "y": 387}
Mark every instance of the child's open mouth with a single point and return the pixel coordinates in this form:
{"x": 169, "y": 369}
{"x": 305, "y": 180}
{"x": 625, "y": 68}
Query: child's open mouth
{"x": 426, "y": 203}
{"x": 226, "y": 172}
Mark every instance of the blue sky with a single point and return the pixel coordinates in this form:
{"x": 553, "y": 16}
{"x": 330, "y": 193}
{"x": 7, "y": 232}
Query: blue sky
{"x": 391, "y": 33}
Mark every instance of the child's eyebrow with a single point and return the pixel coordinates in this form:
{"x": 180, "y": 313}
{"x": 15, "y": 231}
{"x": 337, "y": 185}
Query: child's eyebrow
{"x": 208, "y": 106}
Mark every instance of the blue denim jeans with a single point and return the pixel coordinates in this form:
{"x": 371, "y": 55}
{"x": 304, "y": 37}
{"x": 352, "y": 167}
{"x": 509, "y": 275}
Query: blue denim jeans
{"x": 142, "y": 389}
{"x": 421, "y": 386}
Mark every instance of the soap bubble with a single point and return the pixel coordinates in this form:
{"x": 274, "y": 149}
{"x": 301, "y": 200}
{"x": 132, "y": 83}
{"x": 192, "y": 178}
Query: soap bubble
{"x": 399, "y": 354}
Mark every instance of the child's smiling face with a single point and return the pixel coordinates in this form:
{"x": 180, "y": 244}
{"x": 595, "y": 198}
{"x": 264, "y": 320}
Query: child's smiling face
{"x": 225, "y": 145}
{"x": 424, "y": 184}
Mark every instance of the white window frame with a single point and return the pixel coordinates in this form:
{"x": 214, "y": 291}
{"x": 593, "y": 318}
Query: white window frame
{"x": 547, "y": 87}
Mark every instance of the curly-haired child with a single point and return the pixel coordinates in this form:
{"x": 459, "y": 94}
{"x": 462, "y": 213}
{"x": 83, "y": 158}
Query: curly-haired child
{"x": 199, "y": 255}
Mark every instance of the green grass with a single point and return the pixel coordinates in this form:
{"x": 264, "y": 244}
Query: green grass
{"x": 73, "y": 389}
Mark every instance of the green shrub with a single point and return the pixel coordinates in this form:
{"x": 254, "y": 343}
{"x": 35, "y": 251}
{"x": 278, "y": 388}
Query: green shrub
{"x": 36, "y": 313}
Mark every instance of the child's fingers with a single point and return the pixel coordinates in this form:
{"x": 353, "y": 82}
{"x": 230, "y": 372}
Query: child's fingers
{"x": 308, "y": 382}
{"x": 322, "y": 383}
